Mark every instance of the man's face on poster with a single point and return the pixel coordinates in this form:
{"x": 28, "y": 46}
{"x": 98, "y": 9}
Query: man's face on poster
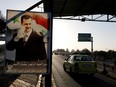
{"x": 27, "y": 24}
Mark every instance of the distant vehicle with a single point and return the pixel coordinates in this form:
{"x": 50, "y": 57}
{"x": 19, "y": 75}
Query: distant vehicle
{"x": 78, "y": 63}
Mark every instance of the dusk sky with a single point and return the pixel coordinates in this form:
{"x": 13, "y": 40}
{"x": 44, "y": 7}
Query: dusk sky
{"x": 65, "y": 32}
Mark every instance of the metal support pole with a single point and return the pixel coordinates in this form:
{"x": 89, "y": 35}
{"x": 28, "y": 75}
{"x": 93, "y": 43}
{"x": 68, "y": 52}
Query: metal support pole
{"x": 48, "y": 7}
{"x": 92, "y": 46}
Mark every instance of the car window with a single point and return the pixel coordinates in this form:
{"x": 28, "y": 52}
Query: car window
{"x": 71, "y": 58}
{"x": 77, "y": 58}
{"x": 86, "y": 58}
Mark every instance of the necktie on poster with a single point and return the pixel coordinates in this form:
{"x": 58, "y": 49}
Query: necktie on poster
{"x": 25, "y": 38}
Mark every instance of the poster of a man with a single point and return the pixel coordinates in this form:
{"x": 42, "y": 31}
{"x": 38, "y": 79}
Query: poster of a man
{"x": 26, "y": 40}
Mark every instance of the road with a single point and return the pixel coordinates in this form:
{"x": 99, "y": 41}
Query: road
{"x": 64, "y": 79}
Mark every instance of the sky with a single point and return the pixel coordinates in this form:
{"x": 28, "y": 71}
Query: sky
{"x": 65, "y": 32}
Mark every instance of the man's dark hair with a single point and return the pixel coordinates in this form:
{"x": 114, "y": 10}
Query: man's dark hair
{"x": 25, "y": 17}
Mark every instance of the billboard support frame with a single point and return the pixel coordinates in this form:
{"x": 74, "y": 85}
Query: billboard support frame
{"x": 86, "y": 37}
{"x": 48, "y": 7}
{"x": 92, "y": 45}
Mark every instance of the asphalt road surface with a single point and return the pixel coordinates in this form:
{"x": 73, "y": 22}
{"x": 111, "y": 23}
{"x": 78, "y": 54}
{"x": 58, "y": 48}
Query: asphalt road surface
{"x": 64, "y": 79}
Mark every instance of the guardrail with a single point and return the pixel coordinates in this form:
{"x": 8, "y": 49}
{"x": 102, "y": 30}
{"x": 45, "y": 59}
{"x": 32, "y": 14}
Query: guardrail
{"x": 107, "y": 67}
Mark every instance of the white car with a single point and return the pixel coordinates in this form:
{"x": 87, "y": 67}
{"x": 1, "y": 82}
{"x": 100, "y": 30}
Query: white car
{"x": 78, "y": 63}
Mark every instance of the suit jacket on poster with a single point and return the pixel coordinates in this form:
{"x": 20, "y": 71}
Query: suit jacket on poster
{"x": 32, "y": 50}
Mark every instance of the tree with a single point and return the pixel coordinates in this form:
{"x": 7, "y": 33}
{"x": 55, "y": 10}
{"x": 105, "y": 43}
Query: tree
{"x": 78, "y": 51}
{"x": 2, "y": 24}
{"x": 72, "y": 51}
{"x": 60, "y": 50}
{"x": 67, "y": 50}
{"x": 86, "y": 51}
{"x": 111, "y": 54}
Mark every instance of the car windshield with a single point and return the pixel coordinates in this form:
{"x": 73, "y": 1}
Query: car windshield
{"x": 83, "y": 58}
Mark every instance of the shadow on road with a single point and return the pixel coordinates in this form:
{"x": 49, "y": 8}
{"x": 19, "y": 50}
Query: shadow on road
{"x": 7, "y": 79}
{"x": 88, "y": 80}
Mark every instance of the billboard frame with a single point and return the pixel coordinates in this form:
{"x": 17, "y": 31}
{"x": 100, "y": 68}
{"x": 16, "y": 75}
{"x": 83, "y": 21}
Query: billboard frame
{"x": 49, "y": 38}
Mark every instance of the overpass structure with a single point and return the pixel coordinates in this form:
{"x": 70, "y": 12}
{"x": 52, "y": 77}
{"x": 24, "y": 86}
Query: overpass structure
{"x": 84, "y": 10}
